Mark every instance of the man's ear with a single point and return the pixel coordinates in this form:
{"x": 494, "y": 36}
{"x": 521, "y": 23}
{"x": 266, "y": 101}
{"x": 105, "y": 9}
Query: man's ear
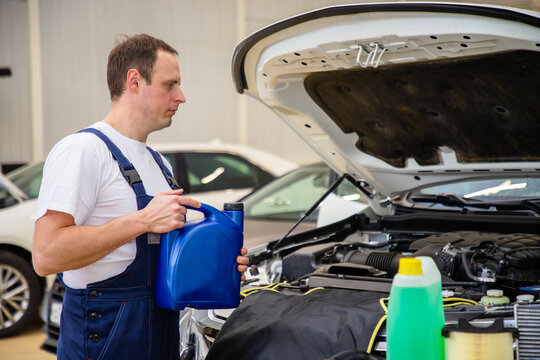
{"x": 133, "y": 77}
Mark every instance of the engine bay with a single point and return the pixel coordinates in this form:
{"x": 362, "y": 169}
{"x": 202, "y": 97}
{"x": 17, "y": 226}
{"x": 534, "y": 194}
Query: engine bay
{"x": 470, "y": 262}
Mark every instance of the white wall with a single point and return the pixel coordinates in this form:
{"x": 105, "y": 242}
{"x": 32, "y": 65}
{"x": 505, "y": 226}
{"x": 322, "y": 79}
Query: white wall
{"x": 77, "y": 35}
{"x": 15, "y": 124}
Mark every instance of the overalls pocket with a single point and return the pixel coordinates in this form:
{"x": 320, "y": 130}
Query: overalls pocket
{"x": 127, "y": 337}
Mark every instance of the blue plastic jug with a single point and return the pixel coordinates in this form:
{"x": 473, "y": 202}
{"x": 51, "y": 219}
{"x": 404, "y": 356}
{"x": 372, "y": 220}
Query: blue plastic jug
{"x": 197, "y": 264}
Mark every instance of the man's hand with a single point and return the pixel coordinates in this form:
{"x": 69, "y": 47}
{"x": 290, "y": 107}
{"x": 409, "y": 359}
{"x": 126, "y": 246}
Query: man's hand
{"x": 242, "y": 261}
{"x": 167, "y": 211}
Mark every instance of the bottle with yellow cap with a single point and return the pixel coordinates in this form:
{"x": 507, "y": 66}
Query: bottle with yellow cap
{"x": 415, "y": 312}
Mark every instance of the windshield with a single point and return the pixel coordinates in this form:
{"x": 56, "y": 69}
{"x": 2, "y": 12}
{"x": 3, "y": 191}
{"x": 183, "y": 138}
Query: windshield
{"x": 289, "y": 196}
{"x": 490, "y": 190}
{"x": 28, "y": 179}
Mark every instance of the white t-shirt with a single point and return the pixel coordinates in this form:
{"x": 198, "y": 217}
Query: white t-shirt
{"x": 82, "y": 178}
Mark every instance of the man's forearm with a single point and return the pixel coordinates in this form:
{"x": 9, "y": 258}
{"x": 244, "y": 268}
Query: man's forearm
{"x": 60, "y": 245}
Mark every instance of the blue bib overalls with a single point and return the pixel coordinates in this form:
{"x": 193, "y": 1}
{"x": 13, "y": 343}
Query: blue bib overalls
{"x": 118, "y": 318}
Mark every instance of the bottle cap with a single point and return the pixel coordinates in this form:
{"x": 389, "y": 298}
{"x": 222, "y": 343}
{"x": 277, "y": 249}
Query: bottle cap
{"x": 233, "y": 206}
{"x": 525, "y": 298}
{"x": 410, "y": 266}
{"x": 494, "y": 292}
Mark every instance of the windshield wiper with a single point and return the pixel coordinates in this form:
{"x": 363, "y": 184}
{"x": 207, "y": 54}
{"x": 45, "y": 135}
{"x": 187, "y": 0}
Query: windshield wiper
{"x": 451, "y": 199}
{"x": 456, "y": 200}
{"x": 529, "y": 204}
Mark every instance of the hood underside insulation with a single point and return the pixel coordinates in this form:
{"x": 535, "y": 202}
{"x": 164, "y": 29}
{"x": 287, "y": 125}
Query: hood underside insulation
{"x": 484, "y": 108}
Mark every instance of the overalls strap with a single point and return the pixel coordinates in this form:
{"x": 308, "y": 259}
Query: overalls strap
{"x": 126, "y": 167}
{"x": 170, "y": 179}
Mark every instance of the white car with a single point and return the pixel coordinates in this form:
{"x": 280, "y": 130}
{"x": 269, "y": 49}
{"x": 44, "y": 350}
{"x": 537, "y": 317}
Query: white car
{"x": 21, "y": 289}
{"x": 432, "y": 111}
{"x": 213, "y": 173}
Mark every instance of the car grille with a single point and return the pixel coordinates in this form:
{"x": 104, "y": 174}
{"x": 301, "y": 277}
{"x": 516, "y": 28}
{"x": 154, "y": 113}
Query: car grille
{"x": 53, "y": 330}
{"x": 528, "y": 323}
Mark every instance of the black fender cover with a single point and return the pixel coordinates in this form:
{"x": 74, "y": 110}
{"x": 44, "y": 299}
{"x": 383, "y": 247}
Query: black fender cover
{"x": 317, "y": 325}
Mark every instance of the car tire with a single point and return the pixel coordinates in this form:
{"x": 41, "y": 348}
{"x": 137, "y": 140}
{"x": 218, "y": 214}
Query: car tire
{"x": 20, "y": 294}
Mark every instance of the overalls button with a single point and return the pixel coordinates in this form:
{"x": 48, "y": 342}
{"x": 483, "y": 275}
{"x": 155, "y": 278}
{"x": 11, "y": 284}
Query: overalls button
{"x": 94, "y": 337}
{"x": 93, "y": 316}
{"x": 93, "y": 294}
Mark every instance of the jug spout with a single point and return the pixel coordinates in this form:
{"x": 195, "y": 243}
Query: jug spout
{"x": 235, "y": 210}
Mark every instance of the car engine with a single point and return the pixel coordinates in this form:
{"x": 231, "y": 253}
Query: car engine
{"x": 470, "y": 262}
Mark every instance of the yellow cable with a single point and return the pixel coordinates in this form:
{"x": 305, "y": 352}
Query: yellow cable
{"x": 317, "y": 288}
{"x": 379, "y": 324}
{"x": 252, "y": 290}
{"x": 383, "y": 304}
{"x": 374, "y": 335}
{"x": 279, "y": 284}
{"x": 471, "y": 302}
{"x": 271, "y": 287}
{"x": 458, "y": 303}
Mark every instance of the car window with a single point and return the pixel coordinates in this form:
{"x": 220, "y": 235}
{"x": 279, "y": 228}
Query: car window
{"x": 289, "y": 196}
{"x": 220, "y": 171}
{"x": 28, "y": 179}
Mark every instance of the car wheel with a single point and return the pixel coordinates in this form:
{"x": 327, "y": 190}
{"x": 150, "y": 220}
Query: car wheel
{"x": 20, "y": 294}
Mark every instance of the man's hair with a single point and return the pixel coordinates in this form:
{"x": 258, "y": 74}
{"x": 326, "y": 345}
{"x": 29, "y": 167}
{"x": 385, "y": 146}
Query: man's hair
{"x": 136, "y": 52}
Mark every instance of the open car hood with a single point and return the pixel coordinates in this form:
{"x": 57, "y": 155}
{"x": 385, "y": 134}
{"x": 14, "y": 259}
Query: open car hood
{"x": 404, "y": 95}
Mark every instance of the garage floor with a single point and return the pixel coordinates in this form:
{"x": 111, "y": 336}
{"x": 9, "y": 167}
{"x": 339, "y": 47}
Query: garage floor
{"x": 25, "y": 346}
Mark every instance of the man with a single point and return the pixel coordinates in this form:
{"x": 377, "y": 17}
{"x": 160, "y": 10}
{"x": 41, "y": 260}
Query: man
{"x": 105, "y": 197}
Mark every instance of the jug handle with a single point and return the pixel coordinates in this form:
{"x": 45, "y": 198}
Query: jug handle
{"x": 207, "y": 210}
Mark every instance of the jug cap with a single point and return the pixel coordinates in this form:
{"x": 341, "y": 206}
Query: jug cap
{"x": 410, "y": 266}
{"x": 234, "y": 206}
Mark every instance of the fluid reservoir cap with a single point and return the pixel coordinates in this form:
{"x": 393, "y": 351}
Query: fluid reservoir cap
{"x": 233, "y": 206}
{"x": 494, "y": 292}
{"x": 410, "y": 266}
{"x": 525, "y": 298}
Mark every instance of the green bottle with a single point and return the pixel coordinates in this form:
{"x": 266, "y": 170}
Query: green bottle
{"x": 415, "y": 312}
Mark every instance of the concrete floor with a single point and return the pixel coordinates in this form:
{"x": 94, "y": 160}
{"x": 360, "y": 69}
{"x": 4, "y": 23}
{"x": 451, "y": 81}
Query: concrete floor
{"x": 25, "y": 346}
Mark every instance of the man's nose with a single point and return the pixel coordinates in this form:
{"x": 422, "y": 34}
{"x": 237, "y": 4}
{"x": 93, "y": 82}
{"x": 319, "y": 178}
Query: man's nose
{"x": 180, "y": 97}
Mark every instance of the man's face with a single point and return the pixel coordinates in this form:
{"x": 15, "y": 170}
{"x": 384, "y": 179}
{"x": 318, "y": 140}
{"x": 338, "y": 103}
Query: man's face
{"x": 160, "y": 100}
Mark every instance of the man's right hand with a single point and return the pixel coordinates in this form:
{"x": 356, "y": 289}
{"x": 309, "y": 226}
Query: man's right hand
{"x": 166, "y": 211}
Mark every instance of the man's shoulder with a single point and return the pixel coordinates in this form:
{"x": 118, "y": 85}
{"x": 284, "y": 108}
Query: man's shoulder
{"x": 79, "y": 142}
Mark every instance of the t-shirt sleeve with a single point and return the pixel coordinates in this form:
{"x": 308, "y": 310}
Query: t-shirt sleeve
{"x": 71, "y": 178}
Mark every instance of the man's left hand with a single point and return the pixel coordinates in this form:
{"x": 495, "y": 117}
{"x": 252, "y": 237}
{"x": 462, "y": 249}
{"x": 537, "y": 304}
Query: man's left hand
{"x": 242, "y": 261}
